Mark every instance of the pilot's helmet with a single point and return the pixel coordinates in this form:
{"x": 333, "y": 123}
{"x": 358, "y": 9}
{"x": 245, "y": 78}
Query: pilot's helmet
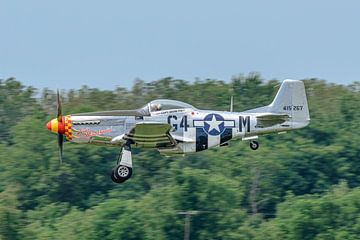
{"x": 156, "y": 107}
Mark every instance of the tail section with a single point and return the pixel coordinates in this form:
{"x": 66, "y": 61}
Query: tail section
{"x": 291, "y": 99}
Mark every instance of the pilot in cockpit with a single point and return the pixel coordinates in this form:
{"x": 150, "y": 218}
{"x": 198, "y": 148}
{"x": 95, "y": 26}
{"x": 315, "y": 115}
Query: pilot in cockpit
{"x": 155, "y": 107}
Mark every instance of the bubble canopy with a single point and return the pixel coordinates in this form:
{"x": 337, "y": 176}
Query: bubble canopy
{"x": 165, "y": 104}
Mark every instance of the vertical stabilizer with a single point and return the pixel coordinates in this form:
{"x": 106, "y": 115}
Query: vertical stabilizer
{"x": 291, "y": 99}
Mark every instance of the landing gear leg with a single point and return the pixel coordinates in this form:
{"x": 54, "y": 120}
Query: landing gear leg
{"x": 123, "y": 169}
{"x": 254, "y": 145}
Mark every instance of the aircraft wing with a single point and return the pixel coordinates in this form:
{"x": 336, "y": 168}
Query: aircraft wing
{"x": 271, "y": 119}
{"x": 151, "y": 134}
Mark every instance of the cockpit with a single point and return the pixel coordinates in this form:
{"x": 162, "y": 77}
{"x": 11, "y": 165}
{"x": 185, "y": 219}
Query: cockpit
{"x": 165, "y": 104}
{"x": 151, "y": 107}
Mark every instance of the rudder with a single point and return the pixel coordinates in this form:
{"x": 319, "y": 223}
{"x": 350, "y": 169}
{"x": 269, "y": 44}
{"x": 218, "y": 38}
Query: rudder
{"x": 291, "y": 99}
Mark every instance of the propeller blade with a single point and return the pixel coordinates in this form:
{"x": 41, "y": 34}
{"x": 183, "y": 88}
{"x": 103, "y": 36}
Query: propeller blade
{"x": 59, "y": 108}
{"x": 61, "y": 146}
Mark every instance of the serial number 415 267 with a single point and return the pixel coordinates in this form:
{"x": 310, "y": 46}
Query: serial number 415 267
{"x": 293, "y": 108}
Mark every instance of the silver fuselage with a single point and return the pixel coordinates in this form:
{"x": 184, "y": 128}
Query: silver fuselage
{"x": 194, "y": 130}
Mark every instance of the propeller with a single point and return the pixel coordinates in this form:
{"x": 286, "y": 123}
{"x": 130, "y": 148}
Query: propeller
{"x": 57, "y": 125}
{"x": 60, "y": 122}
{"x": 61, "y": 147}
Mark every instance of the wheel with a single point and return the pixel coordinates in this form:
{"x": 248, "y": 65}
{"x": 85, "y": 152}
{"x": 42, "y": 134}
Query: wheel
{"x": 121, "y": 173}
{"x": 114, "y": 179}
{"x": 254, "y": 145}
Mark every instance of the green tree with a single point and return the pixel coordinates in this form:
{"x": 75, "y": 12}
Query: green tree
{"x": 10, "y": 214}
{"x": 16, "y": 101}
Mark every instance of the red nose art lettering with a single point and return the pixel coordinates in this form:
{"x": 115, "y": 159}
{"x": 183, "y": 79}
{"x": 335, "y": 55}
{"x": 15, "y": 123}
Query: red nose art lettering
{"x": 88, "y": 133}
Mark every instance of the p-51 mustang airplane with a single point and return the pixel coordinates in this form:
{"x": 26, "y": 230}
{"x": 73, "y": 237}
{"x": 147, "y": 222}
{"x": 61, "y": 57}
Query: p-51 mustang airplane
{"x": 176, "y": 127}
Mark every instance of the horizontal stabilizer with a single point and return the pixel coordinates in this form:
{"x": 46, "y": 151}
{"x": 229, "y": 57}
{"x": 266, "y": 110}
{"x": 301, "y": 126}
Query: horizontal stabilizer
{"x": 271, "y": 119}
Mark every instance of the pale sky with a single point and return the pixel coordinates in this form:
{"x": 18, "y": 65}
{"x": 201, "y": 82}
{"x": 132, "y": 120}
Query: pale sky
{"x": 104, "y": 44}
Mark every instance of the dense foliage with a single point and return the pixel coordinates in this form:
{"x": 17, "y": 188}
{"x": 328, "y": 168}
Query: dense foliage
{"x": 300, "y": 185}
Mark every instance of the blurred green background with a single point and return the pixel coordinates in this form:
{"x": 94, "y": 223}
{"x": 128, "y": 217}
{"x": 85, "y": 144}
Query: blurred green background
{"x": 299, "y": 185}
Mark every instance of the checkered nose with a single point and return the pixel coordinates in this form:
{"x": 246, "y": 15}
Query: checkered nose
{"x": 55, "y": 126}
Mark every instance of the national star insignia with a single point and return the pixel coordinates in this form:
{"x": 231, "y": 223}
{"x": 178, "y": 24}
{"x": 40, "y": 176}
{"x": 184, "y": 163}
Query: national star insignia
{"x": 214, "y": 124}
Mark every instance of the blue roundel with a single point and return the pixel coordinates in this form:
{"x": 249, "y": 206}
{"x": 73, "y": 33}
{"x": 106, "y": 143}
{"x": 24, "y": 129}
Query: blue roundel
{"x": 214, "y": 124}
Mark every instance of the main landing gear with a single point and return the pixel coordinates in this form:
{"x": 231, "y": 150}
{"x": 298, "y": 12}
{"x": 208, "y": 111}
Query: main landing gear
{"x": 123, "y": 170}
{"x": 254, "y": 145}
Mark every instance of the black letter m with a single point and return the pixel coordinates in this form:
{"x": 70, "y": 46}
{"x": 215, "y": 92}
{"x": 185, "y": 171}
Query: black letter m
{"x": 244, "y": 122}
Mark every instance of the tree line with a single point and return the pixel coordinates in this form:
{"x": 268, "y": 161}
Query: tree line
{"x": 301, "y": 185}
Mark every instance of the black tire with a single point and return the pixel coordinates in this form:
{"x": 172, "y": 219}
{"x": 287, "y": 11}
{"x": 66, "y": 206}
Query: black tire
{"x": 254, "y": 145}
{"x": 114, "y": 179}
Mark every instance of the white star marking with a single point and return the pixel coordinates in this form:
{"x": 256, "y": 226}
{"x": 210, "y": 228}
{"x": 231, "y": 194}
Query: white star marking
{"x": 214, "y": 124}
